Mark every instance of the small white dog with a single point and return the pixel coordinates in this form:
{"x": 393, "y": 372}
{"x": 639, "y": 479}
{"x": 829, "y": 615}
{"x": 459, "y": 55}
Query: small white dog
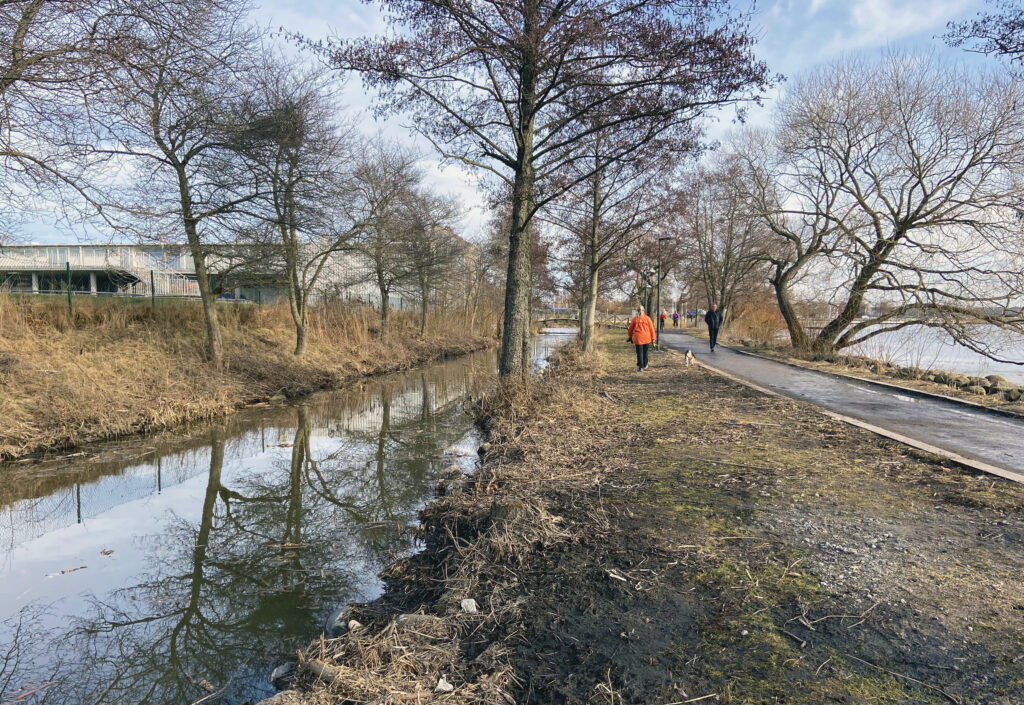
{"x": 690, "y": 359}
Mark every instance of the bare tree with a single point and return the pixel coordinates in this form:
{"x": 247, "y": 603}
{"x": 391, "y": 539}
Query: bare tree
{"x": 514, "y": 88}
{"x": 898, "y": 180}
{"x": 166, "y": 106}
{"x": 47, "y": 69}
{"x": 301, "y": 158}
{"x": 606, "y": 212}
{"x": 430, "y": 245}
{"x": 385, "y": 177}
{"x": 1000, "y": 33}
{"x": 724, "y": 242}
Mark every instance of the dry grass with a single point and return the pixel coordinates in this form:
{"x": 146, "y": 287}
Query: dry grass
{"x": 479, "y": 538}
{"x": 759, "y": 321}
{"x": 123, "y": 367}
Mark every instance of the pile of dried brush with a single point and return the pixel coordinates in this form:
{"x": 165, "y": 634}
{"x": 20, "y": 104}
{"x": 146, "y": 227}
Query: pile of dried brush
{"x": 478, "y": 540}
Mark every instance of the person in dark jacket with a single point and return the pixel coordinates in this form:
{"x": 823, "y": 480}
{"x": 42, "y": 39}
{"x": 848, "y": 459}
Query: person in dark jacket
{"x": 714, "y": 320}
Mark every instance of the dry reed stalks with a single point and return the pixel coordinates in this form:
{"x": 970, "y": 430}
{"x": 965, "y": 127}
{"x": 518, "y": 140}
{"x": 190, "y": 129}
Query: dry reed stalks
{"x": 124, "y": 366}
{"x": 479, "y": 542}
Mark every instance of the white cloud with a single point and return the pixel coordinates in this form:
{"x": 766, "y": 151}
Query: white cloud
{"x": 874, "y": 23}
{"x": 815, "y": 6}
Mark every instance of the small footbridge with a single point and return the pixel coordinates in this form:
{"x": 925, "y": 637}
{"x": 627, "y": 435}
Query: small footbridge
{"x": 570, "y": 319}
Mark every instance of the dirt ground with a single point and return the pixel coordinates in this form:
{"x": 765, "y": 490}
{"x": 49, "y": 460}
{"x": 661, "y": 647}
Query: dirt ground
{"x": 674, "y": 537}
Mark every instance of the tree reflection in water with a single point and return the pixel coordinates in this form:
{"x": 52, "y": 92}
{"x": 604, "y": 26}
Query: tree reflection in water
{"x": 222, "y": 600}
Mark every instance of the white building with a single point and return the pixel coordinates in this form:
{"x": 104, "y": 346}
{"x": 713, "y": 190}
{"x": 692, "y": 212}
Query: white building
{"x": 162, "y": 270}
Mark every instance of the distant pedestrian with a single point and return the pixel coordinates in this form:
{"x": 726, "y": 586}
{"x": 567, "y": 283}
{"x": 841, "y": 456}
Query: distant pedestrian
{"x": 641, "y": 334}
{"x": 714, "y": 320}
{"x": 675, "y": 319}
{"x": 661, "y": 320}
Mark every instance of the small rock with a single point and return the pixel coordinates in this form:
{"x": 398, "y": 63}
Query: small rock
{"x": 353, "y": 625}
{"x": 744, "y": 633}
{"x": 958, "y": 381}
{"x": 997, "y": 379}
{"x": 278, "y": 399}
{"x": 1013, "y": 394}
{"x": 279, "y": 676}
{"x": 974, "y": 389}
{"x": 469, "y": 606}
{"x": 443, "y": 686}
{"x": 337, "y": 623}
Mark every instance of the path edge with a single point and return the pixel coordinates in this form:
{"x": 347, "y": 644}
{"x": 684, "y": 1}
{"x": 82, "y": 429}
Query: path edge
{"x": 919, "y": 393}
{"x": 979, "y": 465}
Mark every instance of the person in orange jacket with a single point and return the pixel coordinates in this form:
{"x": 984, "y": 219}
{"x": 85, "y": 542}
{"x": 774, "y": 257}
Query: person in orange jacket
{"x": 641, "y": 334}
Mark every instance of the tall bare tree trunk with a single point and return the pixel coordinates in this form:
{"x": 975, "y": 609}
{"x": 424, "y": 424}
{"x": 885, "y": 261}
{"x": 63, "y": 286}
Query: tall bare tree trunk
{"x": 214, "y": 342}
{"x": 515, "y": 334}
{"x": 423, "y": 308}
{"x": 385, "y": 310}
{"x": 589, "y": 322}
{"x": 517, "y": 287}
{"x": 780, "y": 281}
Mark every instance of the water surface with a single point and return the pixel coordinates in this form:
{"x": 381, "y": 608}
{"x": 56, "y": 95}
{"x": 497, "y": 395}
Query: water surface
{"x": 159, "y": 572}
{"x": 934, "y": 349}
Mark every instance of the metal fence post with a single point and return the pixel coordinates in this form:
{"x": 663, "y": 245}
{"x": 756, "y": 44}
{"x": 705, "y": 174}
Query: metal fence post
{"x": 152, "y": 290}
{"x": 71, "y": 312}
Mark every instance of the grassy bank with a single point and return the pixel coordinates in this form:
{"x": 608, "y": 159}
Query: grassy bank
{"x": 673, "y": 537}
{"x": 123, "y": 367}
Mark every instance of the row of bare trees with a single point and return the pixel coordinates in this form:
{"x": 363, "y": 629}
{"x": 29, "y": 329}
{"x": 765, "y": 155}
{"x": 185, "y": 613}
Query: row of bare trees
{"x": 887, "y": 191}
{"x": 557, "y": 99}
{"x": 173, "y": 120}
{"x": 889, "y": 188}
{"x": 177, "y": 121}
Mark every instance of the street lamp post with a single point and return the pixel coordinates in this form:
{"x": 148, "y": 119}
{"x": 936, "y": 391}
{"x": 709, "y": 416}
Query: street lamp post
{"x": 657, "y": 320}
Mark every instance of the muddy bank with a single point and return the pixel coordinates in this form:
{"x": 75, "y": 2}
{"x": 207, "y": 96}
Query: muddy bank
{"x": 674, "y": 537}
{"x": 120, "y": 368}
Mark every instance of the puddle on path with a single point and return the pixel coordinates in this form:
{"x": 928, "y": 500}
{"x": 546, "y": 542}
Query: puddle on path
{"x": 194, "y": 565}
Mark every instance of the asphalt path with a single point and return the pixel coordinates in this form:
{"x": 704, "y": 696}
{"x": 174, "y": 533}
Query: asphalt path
{"x": 956, "y": 428}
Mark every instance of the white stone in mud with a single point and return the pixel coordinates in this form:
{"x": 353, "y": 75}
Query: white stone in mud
{"x": 280, "y": 673}
{"x": 469, "y": 606}
{"x": 443, "y": 686}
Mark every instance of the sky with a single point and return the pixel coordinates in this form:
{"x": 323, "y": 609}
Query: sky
{"x": 794, "y": 36}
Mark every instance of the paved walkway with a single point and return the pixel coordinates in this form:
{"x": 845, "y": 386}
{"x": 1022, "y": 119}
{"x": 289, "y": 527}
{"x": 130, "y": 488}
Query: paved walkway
{"x": 957, "y": 428}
